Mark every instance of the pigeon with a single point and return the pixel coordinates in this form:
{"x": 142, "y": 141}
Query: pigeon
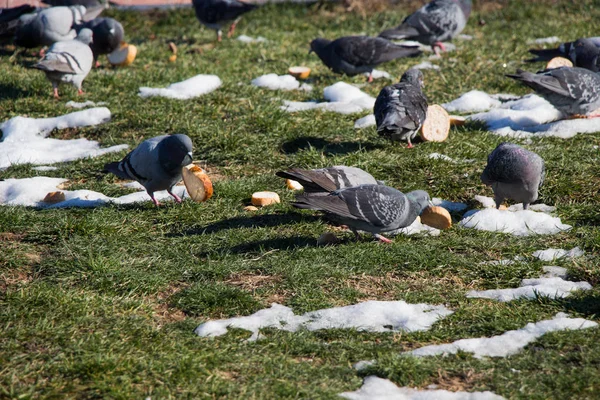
{"x": 514, "y": 173}
{"x": 353, "y": 55}
{"x": 215, "y": 13}
{"x": 583, "y": 53}
{"x": 401, "y": 109}
{"x": 85, "y": 3}
{"x": 10, "y": 19}
{"x": 326, "y": 180}
{"x": 370, "y": 208}
{"x": 52, "y": 25}
{"x": 432, "y": 24}
{"x": 156, "y": 163}
{"x": 108, "y": 35}
{"x": 573, "y": 91}
{"x": 68, "y": 61}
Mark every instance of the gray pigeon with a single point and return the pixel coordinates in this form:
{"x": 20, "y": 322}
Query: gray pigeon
{"x": 353, "y": 55}
{"x": 514, "y": 173}
{"x": 108, "y": 35}
{"x": 583, "y": 53}
{"x": 401, "y": 109}
{"x": 52, "y": 25}
{"x": 573, "y": 91}
{"x": 68, "y": 61}
{"x": 156, "y": 163}
{"x": 10, "y": 19}
{"x": 432, "y": 24}
{"x": 326, "y": 180}
{"x": 215, "y": 13}
{"x": 370, "y": 208}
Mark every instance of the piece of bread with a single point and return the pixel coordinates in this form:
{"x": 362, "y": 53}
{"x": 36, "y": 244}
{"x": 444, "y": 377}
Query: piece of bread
{"x": 293, "y": 185}
{"x": 262, "y": 199}
{"x": 436, "y": 217}
{"x": 558, "y": 62}
{"x": 123, "y": 56}
{"x": 250, "y": 208}
{"x": 299, "y": 72}
{"x": 197, "y": 183}
{"x": 436, "y": 125}
{"x": 457, "y": 120}
{"x": 54, "y": 197}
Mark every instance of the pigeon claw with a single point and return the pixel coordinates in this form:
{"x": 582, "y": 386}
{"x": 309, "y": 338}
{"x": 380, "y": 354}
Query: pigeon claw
{"x": 370, "y": 78}
{"x": 55, "y": 93}
{"x": 382, "y": 238}
{"x": 231, "y": 29}
{"x": 177, "y": 198}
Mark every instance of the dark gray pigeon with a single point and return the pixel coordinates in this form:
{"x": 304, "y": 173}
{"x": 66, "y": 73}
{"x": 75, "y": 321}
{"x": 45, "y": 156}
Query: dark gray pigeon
{"x": 68, "y": 61}
{"x": 370, "y": 208}
{"x": 514, "y": 173}
{"x": 215, "y": 13}
{"x": 107, "y": 37}
{"x": 156, "y": 163}
{"x": 353, "y": 55}
{"x": 10, "y": 19}
{"x": 573, "y": 91}
{"x": 432, "y": 24}
{"x": 583, "y": 53}
{"x": 85, "y": 3}
{"x": 326, "y": 180}
{"x": 51, "y": 25}
{"x": 401, "y": 109}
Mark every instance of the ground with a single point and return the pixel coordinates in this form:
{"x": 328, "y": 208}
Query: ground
{"x": 102, "y": 303}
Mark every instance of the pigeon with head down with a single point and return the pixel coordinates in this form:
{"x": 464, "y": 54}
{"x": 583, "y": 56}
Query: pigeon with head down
{"x": 583, "y": 53}
{"x": 371, "y": 208}
{"x": 323, "y": 181}
{"x": 107, "y": 35}
{"x": 514, "y": 173}
{"x": 401, "y": 109}
{"x": 432, "y": 24}
{"x": 353, "y": 55}
{"x": 156, "y": 163}
{"x": 215, "y": 13}
{"x": 573, "y": 91}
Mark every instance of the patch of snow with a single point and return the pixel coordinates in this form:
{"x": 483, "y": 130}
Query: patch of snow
{"x": 518, "y": 223}
{"x": 378, "y": 74}
{"x": 488, "y": 202}
{"x": 44, "y": 168}
{"x": 375, "y": 388}
{"x": 554, "y": 272}
{"x": 188, "y": 89}
{"x": 438, "y": 156}
{"x": 555, "y": 254}
{"x": 451, "y": 206}
{"x": 250, "y": 39}
{"x": 24, "y": 140}
{"x": 510, "y": 342}
{"x": 276, "y": 82}
{"x": 30, "y": 192}
{"x": 74, "y": 104}
{"x": 365, "y": 122}
{"x": 133, "y": 185}
{"x": 546, "y": 40}
{"x": 371, "y": 316}
{"x": 342, "y": 98}
{"x": 360, "y": 365}
{"x": 426, "y": 48}
{"x": 415, "y": 228}
{"x": 427, "y": 65}
{"x": 462, "y": 36}
{"x": 473, "y": 101}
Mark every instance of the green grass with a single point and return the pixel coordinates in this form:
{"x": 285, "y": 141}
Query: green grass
{"x": 102, "y": 303}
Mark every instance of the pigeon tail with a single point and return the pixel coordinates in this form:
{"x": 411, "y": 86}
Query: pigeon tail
{"x": 113, "y": 168}
{"x": 545, "y": 54}
{"x": 312, "y": 181}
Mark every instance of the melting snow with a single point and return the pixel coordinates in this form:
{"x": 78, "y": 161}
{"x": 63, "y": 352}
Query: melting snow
{"x": 414, "y": 228}
{"x": 45, "y": 168}
{"x": 342, "y": 98}
{"x": 31, "y": 191}
{"x": 427, "y": 65}
{"x": 423, "y": 47}
{"x": 24, "y": 139}
{"x": 280, "y": 82}
{"x": 377, "y": 74}
{"x": 365, "y": 122}
{"x": 488, "y": 202}
{"x": 360, "y": 365}
{"x": 546, "y": 40}
{"x": 510, "y": 342}
{"x": 375, "y": 388}
{"x": 555, "y": 254}
{"x": 74, "y": 104}
{"x": 371, "y": 316}
{"x": 518, "y": 223}
{"x": 188, "y": 89}
{"x": 473, "y": 101}
{"x": 462, "y": 36}
{"x": 250, "y": 39}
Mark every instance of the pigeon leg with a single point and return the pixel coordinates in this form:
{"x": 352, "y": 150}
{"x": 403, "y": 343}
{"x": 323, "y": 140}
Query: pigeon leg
{"x": 370, "y": 78}
{"x": 55, "y": 93}
{"x": 42, "y": 52}
{"x": 382, "y": 238}
{"x": 525, "y": 206}
{"x": 356, "y": 234}
{"x": 80, "y": 92}
{"x": 156, "y": 203}
{"x": 97, "y": 65}
{"x": 232, "y": 28}
{"x": 219, "y": 35}
{"x": 410, "y": 145}
{"x": 177, "y": 198}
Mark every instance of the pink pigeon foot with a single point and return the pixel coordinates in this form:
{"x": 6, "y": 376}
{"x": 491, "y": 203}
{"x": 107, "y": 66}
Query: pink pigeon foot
{"x": 382, "y": 238}
{"x": 56, "y": 93}
{"x": 156, "y": 203}
{"x": 231, "y": 30}
{"x": 177, "y": 198}
{"x": 370, "y": 79}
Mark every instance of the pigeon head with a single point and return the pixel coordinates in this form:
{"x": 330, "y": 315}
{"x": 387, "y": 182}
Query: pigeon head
{"x": 85, "y": 36}
{"x": 413, "y": 76}
{"x": 584, "y": 53}
{"x": 318, "y": 45}
{"x": 175, "y": 152}
{"x": 420, "y": 198}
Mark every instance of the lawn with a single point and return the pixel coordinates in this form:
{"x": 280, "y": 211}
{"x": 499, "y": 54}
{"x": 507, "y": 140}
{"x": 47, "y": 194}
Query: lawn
{"x": 103, "y": 302}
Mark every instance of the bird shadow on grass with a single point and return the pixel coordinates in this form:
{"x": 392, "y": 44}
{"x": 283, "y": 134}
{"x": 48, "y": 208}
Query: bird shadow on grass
{"x": 588, "y": 305}
{"x": 12, "y": 92}
{"x": 327, "y": 147}
{"x": 256, "y": 221}
{"x": 260, "y": 247}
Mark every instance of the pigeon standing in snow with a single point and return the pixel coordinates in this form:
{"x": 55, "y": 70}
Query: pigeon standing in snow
{"x": 353, "y": 55}
{"x": 215, "y": 13}
{"x": 432, "y": 24}
{"x": 68, "y": 61}
{"x": 370, "y": 208}
{"x": 107, "y": 37}
{"x": 514, "y": 173}
{"x": 326, "y": 180}
{"x": 573, "y": 91}
{"x": 401, "y": 109}
{"x": 156, "y": 163}
{"x": 583, "y": 53}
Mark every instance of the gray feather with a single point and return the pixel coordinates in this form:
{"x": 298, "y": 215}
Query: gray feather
{"x": 326, "y": 180}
